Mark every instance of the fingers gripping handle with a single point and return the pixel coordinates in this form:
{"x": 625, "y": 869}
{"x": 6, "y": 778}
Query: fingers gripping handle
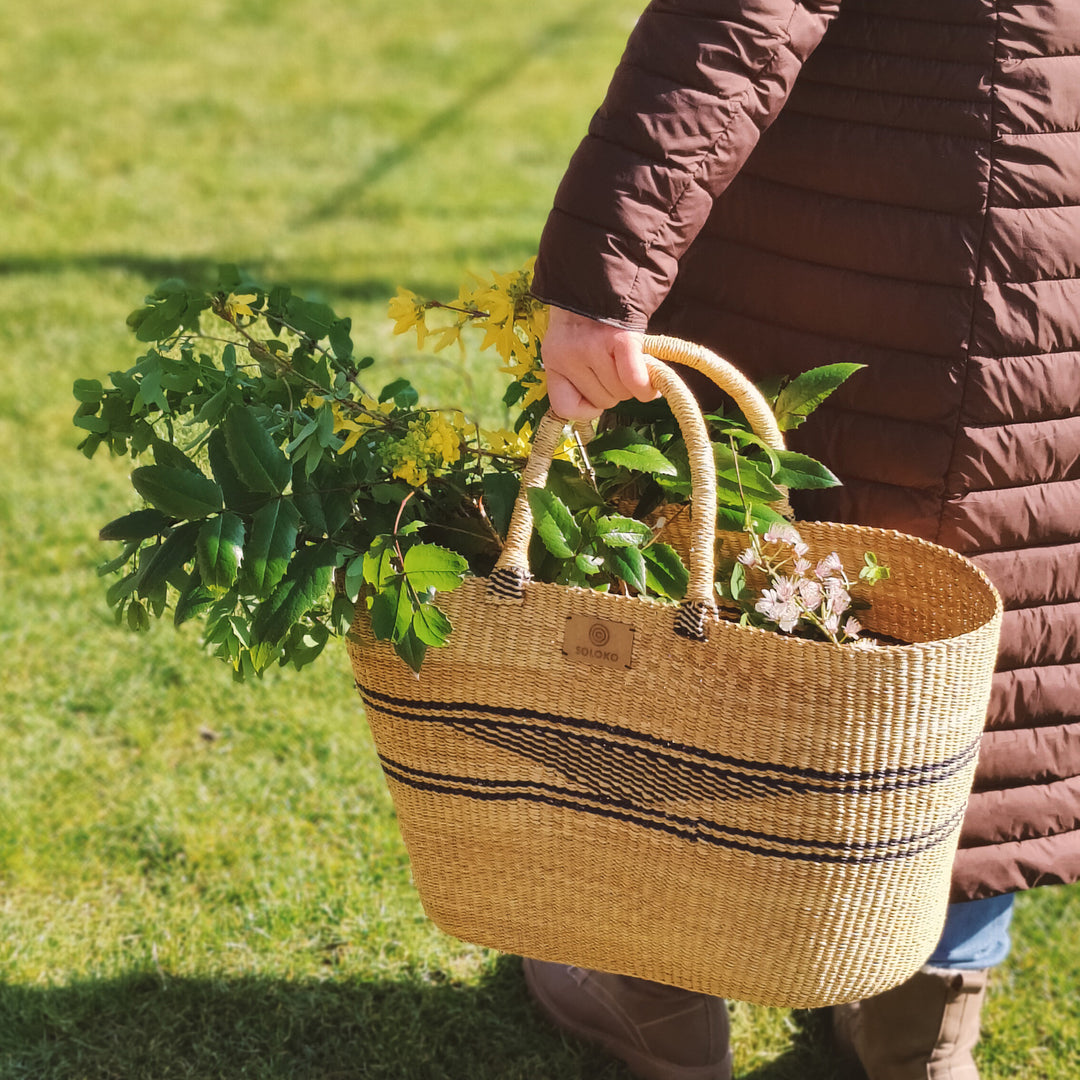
{"x": 512, "y": 570}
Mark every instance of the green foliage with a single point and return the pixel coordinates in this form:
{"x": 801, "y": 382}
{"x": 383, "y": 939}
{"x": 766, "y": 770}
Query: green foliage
{"x": 804, "y": 393}
{"x": 283, "y": 492}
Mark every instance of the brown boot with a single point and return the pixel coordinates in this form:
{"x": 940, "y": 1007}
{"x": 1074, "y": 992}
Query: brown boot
{"x": 661, "y": 1032}
{"x": 924, "y": 1029}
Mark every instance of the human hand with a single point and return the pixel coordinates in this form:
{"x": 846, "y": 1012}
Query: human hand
{"x": 592, "y": 366}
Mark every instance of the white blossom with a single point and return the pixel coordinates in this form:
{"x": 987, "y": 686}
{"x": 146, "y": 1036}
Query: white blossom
{"x": 831, "y": 564}
{"x": 810, "y": 593}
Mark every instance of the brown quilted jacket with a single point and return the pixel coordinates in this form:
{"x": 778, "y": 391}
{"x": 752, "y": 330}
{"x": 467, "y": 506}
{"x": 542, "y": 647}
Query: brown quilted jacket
{"x": 915, "y": 207}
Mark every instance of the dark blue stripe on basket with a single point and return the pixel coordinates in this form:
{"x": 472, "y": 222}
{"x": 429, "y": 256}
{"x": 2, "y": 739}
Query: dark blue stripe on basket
{"x": 787, "y": 779}
{"x": 692, "y": 829}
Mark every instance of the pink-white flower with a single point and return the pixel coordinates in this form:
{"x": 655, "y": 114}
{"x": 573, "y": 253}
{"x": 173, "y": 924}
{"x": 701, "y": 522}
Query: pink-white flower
{"x": 852, "y": 627}
{"x": 864, "y": 643}
{"x": 780, "y": 532}
{"x": 831, "y": 622}
{"x": 831, "y": 564}
{"x": 748, "y": 557}
{"x": 802, "y": 566}
{"x": 786, "y": 588}
{"x": 837, "y": 598}
{"x": 783, "y": 611}
{"x": 810, "y": 593}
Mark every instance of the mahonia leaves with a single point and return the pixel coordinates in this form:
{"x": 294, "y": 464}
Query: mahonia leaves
{"x": 258, "y": 461}
{"x": 804, "y": 393}
{"x": 177, "y": 492}
{"x": 276, "y": 475}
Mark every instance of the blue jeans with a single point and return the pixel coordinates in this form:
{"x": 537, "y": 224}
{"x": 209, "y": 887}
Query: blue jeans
{"x": 976, "y": 934}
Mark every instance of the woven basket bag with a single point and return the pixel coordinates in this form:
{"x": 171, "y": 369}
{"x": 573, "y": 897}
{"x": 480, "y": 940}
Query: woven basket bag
{"x": 648, "y": 789}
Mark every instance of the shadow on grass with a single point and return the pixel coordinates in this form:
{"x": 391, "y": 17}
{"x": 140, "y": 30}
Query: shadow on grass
{"x": 811, "y": 1056}
{"x": 350, "y": 198}
{"x": 149, "y": 1026}
{"x": 203, "y": 272}
{"x": 198, "y": 272}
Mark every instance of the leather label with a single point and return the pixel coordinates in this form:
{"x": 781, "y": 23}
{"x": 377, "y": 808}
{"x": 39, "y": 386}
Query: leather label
{"x": 598, "y": 641}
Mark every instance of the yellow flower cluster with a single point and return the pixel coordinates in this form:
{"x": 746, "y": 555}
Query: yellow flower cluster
{"x": 431, "y": 443}
{"x": 512, "y": 319}
{"x": 354, "y": 422}
{"x": 517, "y": 444}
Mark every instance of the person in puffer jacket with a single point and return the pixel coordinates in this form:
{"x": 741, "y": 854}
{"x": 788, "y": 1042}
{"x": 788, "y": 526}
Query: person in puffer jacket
{"x": 895, "y": 183}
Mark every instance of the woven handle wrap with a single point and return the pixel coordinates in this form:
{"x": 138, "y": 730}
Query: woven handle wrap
{"x": 508, "y": 579}
{"x": 735, "y": 384}
{"x": 732, "y": 381}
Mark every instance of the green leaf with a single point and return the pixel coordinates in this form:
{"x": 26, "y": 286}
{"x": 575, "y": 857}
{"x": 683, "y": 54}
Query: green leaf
{"x": 269, "y": 546}
{"x": 873, "y": 571}
{"x": 588, "y": 565}
{"x": 402, "y": 392}
{"x": 88, "y": 391}
{"x": 428, "y": 566}
{"x": 641, "y": 457}
{"x": 627, "y": 563}
{"x": 305, "y": 582}
{"x": 305, "y": 644}
{"x": 165, "y": 453}
{"x": 219, "y": 550}
{"x": 379, "y": 568}
{"x": 193, "y": 599}
{"x": 113, "y": 565}
{"x": 259, "y": 462}
{"x": 554, "y": 523}
{"x": 390, "y": 492}
{"x": 807, "y": 391}
{"x": 234, "y": 492}
{"x": 139, "y": 525}
{"x": 391, "y": 611}
{"x": 340, "y": 341}
{"x": 137, "y": 616}
{"x": 619, "y": 531}
{"x": 411, "y": 650}
{"x": 179, "y": 493}
{"x": 354, "y": 578}
{"x": 161, "y": 563}
{"x": 87, "y": 419}
{"x": 121, "y": 589}
{"x": 733, "y": 519}
{"x": 665, "y": 572}
{"x": 323, "y": 506}
{"x": 748, "y": 476}
{"x": 801, "y": 471}
{"x": 500, "y": 493}
{"x": 737, "y": 581}
{"x": 312, "y": 319}
{"x": 431, "y": 625}
{"x": 213, "y": 408}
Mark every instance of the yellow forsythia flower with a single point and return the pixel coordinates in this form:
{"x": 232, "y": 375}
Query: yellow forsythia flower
{"x": 408, "y": 311}
{"x": 240, "y": 305}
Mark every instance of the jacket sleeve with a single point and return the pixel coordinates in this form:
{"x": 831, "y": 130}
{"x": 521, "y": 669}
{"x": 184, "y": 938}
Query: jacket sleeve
{"x": 698, "y": 83}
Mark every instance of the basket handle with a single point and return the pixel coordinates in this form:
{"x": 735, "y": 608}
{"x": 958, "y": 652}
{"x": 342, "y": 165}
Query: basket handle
{"x": 507, "y": 580}
{"x": 728, "y": 377}
{"x": 735, "y": 384}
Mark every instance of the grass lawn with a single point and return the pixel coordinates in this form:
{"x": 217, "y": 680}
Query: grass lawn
{"x": 206, "y": 881}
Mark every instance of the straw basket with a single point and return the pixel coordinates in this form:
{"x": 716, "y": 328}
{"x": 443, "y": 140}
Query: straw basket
{"x": 647, "y": 789}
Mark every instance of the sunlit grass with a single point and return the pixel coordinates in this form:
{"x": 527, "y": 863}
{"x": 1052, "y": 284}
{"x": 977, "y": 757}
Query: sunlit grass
{"x": 203, "y": 880}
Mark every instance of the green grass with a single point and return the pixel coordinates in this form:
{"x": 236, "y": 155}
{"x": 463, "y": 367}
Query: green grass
{"x": 202, "y": 880}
